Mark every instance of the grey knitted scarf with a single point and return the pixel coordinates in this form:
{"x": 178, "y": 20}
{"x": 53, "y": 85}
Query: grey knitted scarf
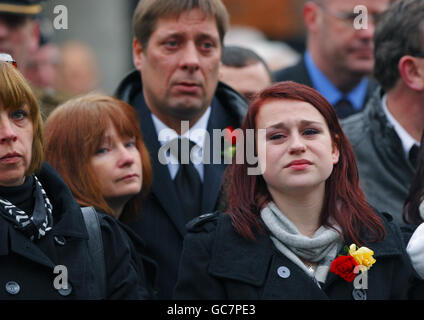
{"x": 322, "y": 248}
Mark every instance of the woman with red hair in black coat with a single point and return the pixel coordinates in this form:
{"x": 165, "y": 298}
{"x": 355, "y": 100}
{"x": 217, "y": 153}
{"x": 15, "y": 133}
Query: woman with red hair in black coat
{"x": 288, "y": 223}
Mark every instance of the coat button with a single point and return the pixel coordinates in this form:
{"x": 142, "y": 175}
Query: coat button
{"x": 65, "y": 292}
{"x": 60, "y": 240}
{"x": 283, "y": 272}
{"x": 359, "y": 294}
{"x": 12, "y": 287}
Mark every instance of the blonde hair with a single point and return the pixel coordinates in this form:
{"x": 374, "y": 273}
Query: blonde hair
{"x": 16, "y": 93}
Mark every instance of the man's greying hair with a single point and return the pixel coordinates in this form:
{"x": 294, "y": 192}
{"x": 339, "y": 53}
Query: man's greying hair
{"x": 149, "y": 11}
{"x": 398, "y": 33}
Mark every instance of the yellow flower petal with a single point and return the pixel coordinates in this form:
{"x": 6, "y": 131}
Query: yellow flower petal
{"x": 363, "y": 256}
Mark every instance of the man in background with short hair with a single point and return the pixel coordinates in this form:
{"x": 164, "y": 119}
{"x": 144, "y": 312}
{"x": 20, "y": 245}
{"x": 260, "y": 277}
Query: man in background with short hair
{"x": 339, "y": 52}
{"x": 244, "y": 70}
{"x": 385, "y": 137}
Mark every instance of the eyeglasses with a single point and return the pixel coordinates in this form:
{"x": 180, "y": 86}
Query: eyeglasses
{"x": 5, "y": 57}
{"x": 351, "y": 17}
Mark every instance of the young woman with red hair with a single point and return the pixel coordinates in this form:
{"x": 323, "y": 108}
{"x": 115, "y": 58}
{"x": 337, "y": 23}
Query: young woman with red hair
{"x": 284, "y": 227}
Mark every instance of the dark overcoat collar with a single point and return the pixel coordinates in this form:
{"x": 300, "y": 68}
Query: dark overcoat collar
{"x": 65, "y": 221}
{"x": 252, "y": 262}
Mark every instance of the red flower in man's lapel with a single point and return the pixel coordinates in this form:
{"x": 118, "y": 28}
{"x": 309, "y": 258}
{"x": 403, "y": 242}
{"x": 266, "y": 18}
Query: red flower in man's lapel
{"x": 232, "y": 134}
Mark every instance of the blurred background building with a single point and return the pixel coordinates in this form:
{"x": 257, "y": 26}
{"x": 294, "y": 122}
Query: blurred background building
{"x": 272, "y": 28}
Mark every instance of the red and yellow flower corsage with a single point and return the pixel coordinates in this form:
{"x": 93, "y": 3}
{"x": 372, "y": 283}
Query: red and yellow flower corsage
{"x": 345, "y": 266}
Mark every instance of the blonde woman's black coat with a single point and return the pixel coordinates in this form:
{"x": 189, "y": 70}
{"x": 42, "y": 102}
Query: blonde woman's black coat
{"x": 27, "y": 269}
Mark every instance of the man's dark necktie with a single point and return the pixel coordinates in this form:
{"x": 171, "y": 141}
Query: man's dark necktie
{"x": 413, "y": 155}
{"x": 187, "y": 181}
{"x": 344, "y": 108}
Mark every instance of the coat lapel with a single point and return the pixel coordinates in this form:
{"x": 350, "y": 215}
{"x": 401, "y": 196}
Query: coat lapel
{"x": 389, "y": 247}
{"x": 211, "y": 186}
{"x": 258, "y": 264}
{"x": 302, "y": 74}
{"x": 213, "y": 173}
{"x": 372, "y": 86}
{"x": 237, "y": 258}
{"x": 24, "y": 247}
{"x": 163, "y": 186}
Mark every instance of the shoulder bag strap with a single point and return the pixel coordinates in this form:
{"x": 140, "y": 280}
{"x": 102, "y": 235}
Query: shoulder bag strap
{"x": 95, "y": 248}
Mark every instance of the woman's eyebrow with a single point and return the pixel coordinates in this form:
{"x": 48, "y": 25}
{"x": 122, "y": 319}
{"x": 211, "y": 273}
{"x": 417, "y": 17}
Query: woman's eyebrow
{"x": 283, "y": 125}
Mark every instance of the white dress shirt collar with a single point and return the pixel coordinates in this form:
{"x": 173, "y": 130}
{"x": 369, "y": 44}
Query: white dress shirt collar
{"x": 407, "y": 140}
{"x": 197, "y": 134}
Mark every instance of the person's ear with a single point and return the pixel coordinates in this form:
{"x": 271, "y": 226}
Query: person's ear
{"x": 335, "y": 154}
{"x": 411, "y": 70}
{"x": 220, "y": 72}
{"x": 312, "y": 16}
{"x": 137, "y": 50}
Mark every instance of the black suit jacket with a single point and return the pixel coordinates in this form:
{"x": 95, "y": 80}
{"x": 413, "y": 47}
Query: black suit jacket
{"x": 161, "y": 224}
{"x": 299, "y": 73}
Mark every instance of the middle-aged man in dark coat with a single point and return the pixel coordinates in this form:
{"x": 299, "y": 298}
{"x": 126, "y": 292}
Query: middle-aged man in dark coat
{"x": 177, "y": 52}
{"x": 385, "y": 137}
{"x": 339, "y": 52}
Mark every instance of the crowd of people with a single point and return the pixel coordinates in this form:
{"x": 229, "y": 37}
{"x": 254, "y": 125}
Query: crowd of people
{"x": 209, "y": 176}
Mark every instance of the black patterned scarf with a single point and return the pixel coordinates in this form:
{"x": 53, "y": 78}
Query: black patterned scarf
{"x": 36, "y": 224}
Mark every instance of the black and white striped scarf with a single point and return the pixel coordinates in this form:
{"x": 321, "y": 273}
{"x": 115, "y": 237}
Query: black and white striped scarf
{"x": 34, "y": 225}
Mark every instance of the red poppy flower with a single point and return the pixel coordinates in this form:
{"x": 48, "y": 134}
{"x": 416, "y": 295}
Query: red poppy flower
{"x": 344, "y": 267}
{"x": 232, "y": 134}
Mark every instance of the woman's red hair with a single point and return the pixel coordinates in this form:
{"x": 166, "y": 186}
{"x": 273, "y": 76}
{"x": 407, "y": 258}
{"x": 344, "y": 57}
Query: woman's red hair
{"x": 344, "y": 201}
{"x": 74, "y": 132}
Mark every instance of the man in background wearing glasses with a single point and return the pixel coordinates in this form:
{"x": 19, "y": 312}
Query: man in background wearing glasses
{"x": 339, "y": 54}
{"x": 385, "y": 136}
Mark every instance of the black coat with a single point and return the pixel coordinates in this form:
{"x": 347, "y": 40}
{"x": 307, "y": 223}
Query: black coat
{"x": 297, "y": 73}
{"x": 145, "y": 265}
{"x": 27, "y": 268}
{"x": 217, "y": 263}
{"x": 162, "y": 221}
